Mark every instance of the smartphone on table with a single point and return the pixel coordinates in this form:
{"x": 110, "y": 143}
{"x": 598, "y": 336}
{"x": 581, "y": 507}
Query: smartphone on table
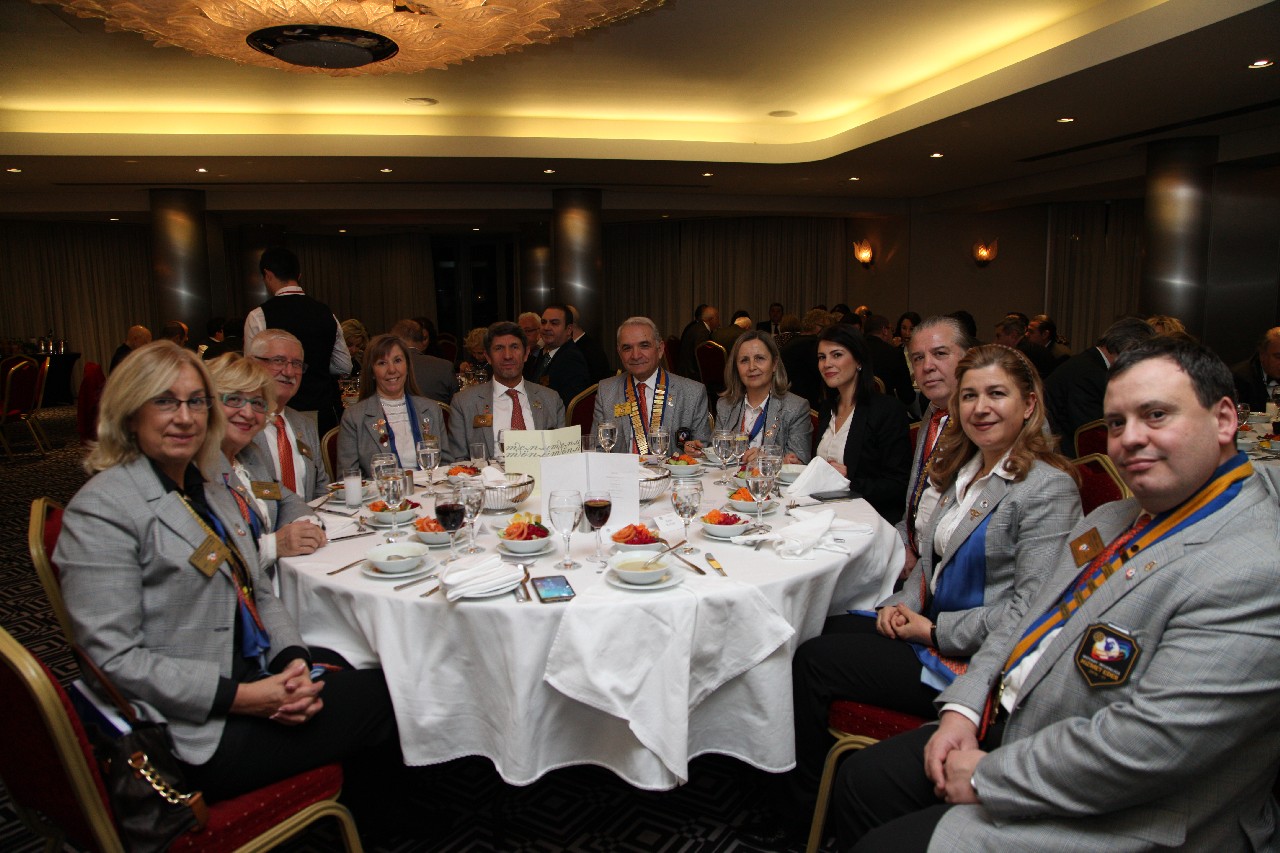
{"x": 552, "y": 588}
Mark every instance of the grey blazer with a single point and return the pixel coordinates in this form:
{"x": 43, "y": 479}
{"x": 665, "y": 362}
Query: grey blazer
{"x": 312, "y": 480}
{"x": 1029, "y": 524}
{"x": 359, "y": 437}
{"x": 476, "y": 401}
{"x": 916, "y": 462}
{"x": 788, "y": 424}
{"x": 1181, "y": 754}
{"x": 685, "y": 406}
{"x": 159, "y": 628}
{"x": 285, "y": 510}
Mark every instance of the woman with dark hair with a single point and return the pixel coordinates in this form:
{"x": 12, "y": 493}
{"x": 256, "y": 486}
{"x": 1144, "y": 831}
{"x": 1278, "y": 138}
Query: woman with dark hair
{"x": 864, "y": 434}
{"x": 906, "y": 325}
{"x": 392, "y": 415}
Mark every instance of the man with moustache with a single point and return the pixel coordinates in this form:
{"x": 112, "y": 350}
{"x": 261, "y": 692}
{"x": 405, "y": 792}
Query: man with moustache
{"x": 290, "y": 440}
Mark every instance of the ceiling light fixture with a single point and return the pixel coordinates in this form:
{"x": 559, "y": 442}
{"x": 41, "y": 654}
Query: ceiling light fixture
{"x": 708, "y": 174}
{"x": 1261, "y": 63}
{"x": 864, "y": 255}
{"x": 346, "y": 37}
{"x": 936, "y": 155}
{"x": 113, "y": 219}
{"x": 985, "y": 253}
{"x": 548, "y": 171}
{"x": 14, "y": 170}
{"x": 202, "y": 170}
{"x": 342, "y": 231}
{"x": 386, "y": 171}
{"x": 1065, "y": 120}
{"x": 855, "y": 179}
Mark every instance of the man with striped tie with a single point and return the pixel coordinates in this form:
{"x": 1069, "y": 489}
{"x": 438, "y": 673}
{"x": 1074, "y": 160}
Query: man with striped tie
{"x": 1133, "y": 706}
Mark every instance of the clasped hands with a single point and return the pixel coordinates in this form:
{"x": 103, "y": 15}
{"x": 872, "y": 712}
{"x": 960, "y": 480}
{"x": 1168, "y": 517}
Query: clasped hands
{"x": 951, "y": 757}
{"x": 900, "y": 622}
{"x": 289, "y": 697}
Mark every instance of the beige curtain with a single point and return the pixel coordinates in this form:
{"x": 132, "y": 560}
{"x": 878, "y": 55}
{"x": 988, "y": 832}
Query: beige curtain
{"x": 1095, "y": 266}
{"x": 86, "y": 282}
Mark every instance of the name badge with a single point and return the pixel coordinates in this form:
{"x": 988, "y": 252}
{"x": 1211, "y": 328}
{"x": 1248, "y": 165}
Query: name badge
{"x": 1106, "y": 656}
{"x": 485, "y": 420}
{"x": 267, "y": 490}
{"x": 305, "y": 450}
{"x": 1087, "y": 546}
{"x": 211, "y": 554}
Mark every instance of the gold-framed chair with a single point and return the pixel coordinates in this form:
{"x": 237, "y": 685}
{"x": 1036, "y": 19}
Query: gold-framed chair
{"x": 582, "y": 408}
{"x": 1100, "y": 482}
{"x": 711, "y": 359}
{"x": 1091, "y": 438}
{"x": 42, "y": 536}
{"x": 814, "y": 438}
{"x": 21, "y": 381}
{"x": 58, "y": 792}
{"x": 329, "y": 454}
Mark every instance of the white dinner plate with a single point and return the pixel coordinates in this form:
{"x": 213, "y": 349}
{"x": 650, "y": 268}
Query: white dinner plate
{"x": 730, "y": 531}
{"x": 373, "y": 521}
{"x": 671, "y": 579}
{"x": 545, "y": 549}
{"x": 371, "y": 571}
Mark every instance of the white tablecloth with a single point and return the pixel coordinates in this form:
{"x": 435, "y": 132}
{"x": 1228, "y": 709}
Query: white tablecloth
{"x": 469, "y": 678}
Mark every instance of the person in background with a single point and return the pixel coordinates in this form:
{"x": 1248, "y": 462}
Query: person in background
{"x": 597, "y": 362}
{"x": 1043, "y": 331}
{"x": 433, "y": 376}
{"x": 215, "y": 342}
{"x": 1012, "y": 332}
{"x": 559, "y": 365}
{"x": 773, "y": 325}
{"x": 530, "y": 323}
{"x": 137, "y": 336}
{"x": 790, "y": 326}
{"x": 726, "y": 335}
{"x": 1257, "y": 378}
{"x": 887, "y": 361}
{"x": 907, "y": 322}
{"x": 392, "y": 415}
{"x": 800, "y": 356}
{"x": 430, "y": 337}
{"x": 176, "y": 331}
{"x": 357, "y": 338}
{"x": 706, "y": 319}
{"x": 1166, "y": 325}
{"x": 473, "y": 362}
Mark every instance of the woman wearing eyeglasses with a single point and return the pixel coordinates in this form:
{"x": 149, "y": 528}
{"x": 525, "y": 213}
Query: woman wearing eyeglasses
{"x": 392, "y": 415}
{"x": 282, "y": 523}
{"x": 161, "y": 577}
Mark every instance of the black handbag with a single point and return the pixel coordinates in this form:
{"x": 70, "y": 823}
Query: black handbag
{"x": 143, "y": 777}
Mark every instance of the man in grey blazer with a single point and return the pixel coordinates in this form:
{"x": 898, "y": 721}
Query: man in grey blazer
{"x": 684, "y": 406}
{"x": 481, "y": 411}
{"x": 1129, "y": 708}
{"x": 281, "y": 353}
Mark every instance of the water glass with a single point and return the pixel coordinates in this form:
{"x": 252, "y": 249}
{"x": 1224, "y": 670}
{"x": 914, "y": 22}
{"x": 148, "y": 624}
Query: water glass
{"x": 352, "y": 487}
{"x": 686, "y": 497}
{"x": 607, "y": 436}
{"x": 378, "y": 462}
{"x": 597, "y": 506}
{"x": 1242, "y": 415}
{"x": 722, "y": 444}
{"x": 428, "y": 455}
{"x": 501, "y": 456}
{"x": 479, "y": 457}
{"x": 660, "y": 443}
{"x": 740, "y": 443}
{"x": 760, "y": 486}
{"x": 565, "y": 508}
{"x": 472, "y": 503}
{"x": 391, "y": 488}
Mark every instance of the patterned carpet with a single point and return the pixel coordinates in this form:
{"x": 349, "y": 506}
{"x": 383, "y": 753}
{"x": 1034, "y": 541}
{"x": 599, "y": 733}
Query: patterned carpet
{"x": 470, "y": 808}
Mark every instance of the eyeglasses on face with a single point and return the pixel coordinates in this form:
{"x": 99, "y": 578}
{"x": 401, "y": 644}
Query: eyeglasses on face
{"x": 279, "y": 362}
{"x": 171, "y": 404}
{"x": 238, "y": 401}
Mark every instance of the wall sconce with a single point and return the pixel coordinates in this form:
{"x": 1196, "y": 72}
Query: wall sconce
{"x": 985, "y": 253}
{"x": 862, "y": 252}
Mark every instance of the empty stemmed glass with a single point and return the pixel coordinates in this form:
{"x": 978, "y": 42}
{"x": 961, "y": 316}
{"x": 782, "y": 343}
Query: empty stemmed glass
{"x": 606, "y": 436}
{"x": 722, "y": 444}
{"x": 472, "y": 502}
{"x": 428, "y": 456}
{"x": 565, "y": 509}
{"x": 759, "y": 486}
{"x": 686, "y": 497}
{"x": 770, "y": 462}
{"x": 597, "y": 506}
{"x": 391, "y": 488}
{"x": 451, "y": 513}
{"x": 739, "y": 444}
{"x": 659, "y": 444}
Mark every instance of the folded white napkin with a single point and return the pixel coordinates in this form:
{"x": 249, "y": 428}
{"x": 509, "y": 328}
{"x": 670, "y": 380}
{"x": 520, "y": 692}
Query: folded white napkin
{"x": 650, "y": 473}
{"x": 478, "y": 575}
{"x": 333, "y": 505}
{"x": 818, "y": 476}
{"x": 492, "y": 476}
{"x": 335, "y": 527}
{"x": 810, "y": 532}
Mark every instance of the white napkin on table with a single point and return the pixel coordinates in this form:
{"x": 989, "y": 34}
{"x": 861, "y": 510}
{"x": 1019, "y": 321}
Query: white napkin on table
{"x": 818, "y": 476}
{"x": 810, "y": 532}
{"x": 492, "y": 476}
{"x": 335, "y": 527}
{"x": 478, "y": 575}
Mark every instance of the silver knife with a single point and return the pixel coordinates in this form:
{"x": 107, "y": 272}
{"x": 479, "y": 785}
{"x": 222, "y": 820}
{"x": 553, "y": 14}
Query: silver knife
{"x": 715, "y": 564}
{"x": 352, "y": 536}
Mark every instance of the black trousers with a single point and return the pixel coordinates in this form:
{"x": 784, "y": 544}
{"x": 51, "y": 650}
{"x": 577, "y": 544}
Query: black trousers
{"x": 850, "y": 661}
{"x": 356, "y": 726}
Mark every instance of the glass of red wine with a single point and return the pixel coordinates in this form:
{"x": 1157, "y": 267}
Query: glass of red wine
{"x": 596, "y": 506}
{"x": 451, "y": 513}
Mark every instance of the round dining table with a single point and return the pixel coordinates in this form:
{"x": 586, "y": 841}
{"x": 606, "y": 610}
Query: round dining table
{"x": 637, "y": 681}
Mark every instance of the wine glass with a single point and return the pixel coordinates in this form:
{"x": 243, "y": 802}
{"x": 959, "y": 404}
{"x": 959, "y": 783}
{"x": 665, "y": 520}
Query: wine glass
{"x": 451, "y": 513}
{"x": 479, "y": 457}
{"x": 380, "y": 461}
{"x": 660, "y": 443}
{"x": 597, "y": 506}
{"x": 1242, "y": 415}
{"x": 606, "y": 436}
{"x": 770, "y": 461}
{"x": 722, "y": 444}
{"x": 760, "y": 486}
{"x": 472, "y": 503}
{"x": 565, "y": 508}
{"x": 740, "y": 443}
{"x": 686, "y": 497}
{"x": 391, "y": 488}
{"x": 428, "y": 456}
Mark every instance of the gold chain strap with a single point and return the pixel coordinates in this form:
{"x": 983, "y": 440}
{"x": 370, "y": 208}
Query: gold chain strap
{"x": 141, "y": 765}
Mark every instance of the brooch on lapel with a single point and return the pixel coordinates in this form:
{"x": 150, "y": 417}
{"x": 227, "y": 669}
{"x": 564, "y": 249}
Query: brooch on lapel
{"x": 305, "y": 450}
{"x": 537, "y": 404}
{"x": 381, "y": 426}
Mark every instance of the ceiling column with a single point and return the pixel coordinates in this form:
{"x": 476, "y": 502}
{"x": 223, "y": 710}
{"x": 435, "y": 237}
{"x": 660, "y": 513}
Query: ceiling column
{"x": 179, "y": 262}
{"x": 536, "y": 278}
{"x": 575, "y": 251}
{"x": 1177, "y": 218}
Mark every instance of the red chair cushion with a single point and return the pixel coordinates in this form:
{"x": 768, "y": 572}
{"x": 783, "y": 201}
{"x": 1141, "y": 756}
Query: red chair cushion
{"x": 1096, "y": 487}
{"x": 233, "y": 823}
{"x": 855, "y": 718}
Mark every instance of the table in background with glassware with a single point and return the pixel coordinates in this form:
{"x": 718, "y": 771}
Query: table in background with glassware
{"x": 470, "y": 677}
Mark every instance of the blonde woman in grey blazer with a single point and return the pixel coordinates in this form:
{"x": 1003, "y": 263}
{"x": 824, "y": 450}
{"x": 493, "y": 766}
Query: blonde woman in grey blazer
{"x": 755, "y": 377}
{"x": 1007, "y": 504}
{"x": 154, "y": 554}
{"x": 391, "y": 415}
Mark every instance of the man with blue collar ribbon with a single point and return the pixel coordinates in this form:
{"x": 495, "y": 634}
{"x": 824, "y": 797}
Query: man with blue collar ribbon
{"x": 1133, "y": 705}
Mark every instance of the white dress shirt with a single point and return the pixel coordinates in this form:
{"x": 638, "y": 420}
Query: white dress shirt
{"x": 502, "y": 408}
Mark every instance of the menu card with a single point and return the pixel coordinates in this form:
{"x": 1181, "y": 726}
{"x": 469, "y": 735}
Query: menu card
{"x": 524, "y": 449}
{"x": 615, "y": 473}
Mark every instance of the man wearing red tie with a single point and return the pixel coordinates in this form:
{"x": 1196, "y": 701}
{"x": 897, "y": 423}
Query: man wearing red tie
{"x": 289, "y": 440}
{"x": 1133, "y": 705}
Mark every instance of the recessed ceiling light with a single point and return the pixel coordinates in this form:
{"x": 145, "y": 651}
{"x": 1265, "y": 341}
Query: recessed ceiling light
{"x": 855, "y": 179}
{"x": 15, "y": 170}
{"x": 422, "y": 102}
{"x": 1065, "y": 120}
{"x": 708, "y": 174}
{"x": 342, "y": 231}
{"x": 548, "y": 171}
{"x": 1261, "y": 63}
{"x": 202, "y": 170}
{"x": 475, "y": 229}
{"x": 783, "y": 114}
{"x": 935, "y": 155}
{"x": 114, "y": 219}
{"x": 385, "y": 171}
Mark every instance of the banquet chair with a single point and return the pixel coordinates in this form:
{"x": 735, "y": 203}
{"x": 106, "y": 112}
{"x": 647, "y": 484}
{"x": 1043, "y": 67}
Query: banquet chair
{"x": 854, "y": 725}
{"x": 20, "y": 382}
{"x": 913, "y": 432}
{"x": 448, "y": 349}
{"x": 582, "y": 408}
{"x": 711, "y": 358}
{"x": 447, "y": 410}
{"x": 1091, "y": 438}
{"x": 87, "y": 400}
{"x": 58, "y": 792}
{"x": 671, "y": 353}
{"x": 42, "y": 536}
{"x": 879, "y": 383}
{"x": 329, "y": 453}
{"x": 34, "y": 417}
{"x": 1100, "y": 482}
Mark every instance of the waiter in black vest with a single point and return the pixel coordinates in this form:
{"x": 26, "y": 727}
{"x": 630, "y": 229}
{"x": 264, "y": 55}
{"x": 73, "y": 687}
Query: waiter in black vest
{"x": 323, "y": 347}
